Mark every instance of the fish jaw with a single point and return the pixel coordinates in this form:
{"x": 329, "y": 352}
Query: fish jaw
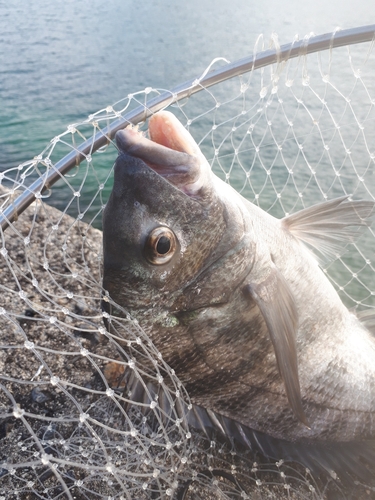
{"x": 171, "y": 152}
{"x": 164, "y": 128}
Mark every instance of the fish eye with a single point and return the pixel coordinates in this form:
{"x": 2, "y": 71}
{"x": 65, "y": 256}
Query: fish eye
{"x": 160, "y": 245}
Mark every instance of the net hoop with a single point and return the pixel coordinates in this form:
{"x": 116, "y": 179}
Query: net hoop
{"x": 278, "y": 54}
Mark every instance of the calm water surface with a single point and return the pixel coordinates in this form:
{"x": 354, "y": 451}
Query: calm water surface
{"x": 62, "y": 60}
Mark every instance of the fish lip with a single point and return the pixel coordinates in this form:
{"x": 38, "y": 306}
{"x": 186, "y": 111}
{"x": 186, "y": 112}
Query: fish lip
{"x": 135, "y": 144}
{"x": 123, "y": 161}
{"x": 178, "y": 168}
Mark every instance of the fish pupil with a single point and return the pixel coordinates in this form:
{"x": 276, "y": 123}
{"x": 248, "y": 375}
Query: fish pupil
{"x": 163, "y": 246}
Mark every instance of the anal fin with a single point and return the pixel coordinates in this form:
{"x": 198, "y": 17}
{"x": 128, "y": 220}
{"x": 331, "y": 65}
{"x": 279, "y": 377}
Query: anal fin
{"x": 277, "y": 305}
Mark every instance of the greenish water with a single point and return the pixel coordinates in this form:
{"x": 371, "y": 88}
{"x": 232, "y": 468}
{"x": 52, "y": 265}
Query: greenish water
{"x": 63, "y": 60}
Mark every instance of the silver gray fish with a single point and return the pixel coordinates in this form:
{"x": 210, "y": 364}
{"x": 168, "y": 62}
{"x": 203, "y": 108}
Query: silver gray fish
{"x": 235, "y": 300}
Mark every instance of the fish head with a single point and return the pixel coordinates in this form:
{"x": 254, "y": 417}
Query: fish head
{"x": 165, "y": 221}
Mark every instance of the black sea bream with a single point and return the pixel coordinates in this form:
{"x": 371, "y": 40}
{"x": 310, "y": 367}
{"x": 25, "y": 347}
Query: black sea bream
{"x": 236, "y": 301}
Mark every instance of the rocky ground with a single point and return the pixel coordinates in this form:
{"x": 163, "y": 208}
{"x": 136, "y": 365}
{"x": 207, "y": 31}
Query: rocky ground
{"x": 64, "y": 430}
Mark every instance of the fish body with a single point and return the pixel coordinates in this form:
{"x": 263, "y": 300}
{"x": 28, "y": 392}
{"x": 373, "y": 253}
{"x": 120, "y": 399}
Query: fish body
{"x": 232, "y": 297}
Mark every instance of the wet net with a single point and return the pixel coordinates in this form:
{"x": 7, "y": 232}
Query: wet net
{"x": 291, "y": 133}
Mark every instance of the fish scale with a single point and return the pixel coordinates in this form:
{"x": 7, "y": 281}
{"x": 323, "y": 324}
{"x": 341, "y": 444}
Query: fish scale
{"x": 237, "y": 303}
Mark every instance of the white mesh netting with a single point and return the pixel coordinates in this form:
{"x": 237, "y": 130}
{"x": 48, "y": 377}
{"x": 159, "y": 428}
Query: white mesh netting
{"x": 286, "y": 136}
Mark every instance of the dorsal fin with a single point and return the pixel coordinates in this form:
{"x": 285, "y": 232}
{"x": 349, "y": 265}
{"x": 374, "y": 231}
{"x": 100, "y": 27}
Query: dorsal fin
{"x": 330, "y": 226}
{"x": 367, "y": 318}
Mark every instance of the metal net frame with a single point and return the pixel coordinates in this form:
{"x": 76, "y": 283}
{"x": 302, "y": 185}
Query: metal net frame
{"x": 288, "y": 127}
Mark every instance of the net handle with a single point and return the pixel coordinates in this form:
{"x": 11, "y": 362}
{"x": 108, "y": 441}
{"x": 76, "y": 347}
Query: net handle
{"x": 291, "y": 50}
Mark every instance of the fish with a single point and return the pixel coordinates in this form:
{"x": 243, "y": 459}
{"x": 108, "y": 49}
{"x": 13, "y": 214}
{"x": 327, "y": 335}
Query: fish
{"x": 237, "y": 303}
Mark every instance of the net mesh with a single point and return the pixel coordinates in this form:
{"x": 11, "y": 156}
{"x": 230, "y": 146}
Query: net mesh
{"x": 286, "y": 136}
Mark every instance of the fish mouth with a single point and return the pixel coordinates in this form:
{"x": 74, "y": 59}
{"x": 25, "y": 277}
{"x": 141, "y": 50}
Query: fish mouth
{"x": 171, "y": 152}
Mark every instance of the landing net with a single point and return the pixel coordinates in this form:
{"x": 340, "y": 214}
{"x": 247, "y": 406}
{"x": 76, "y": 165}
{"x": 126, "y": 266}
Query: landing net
{"x": 288, "y": 127}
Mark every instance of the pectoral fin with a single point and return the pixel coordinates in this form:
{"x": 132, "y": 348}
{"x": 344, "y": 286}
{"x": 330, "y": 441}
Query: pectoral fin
{"x": 276, "y": 303}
